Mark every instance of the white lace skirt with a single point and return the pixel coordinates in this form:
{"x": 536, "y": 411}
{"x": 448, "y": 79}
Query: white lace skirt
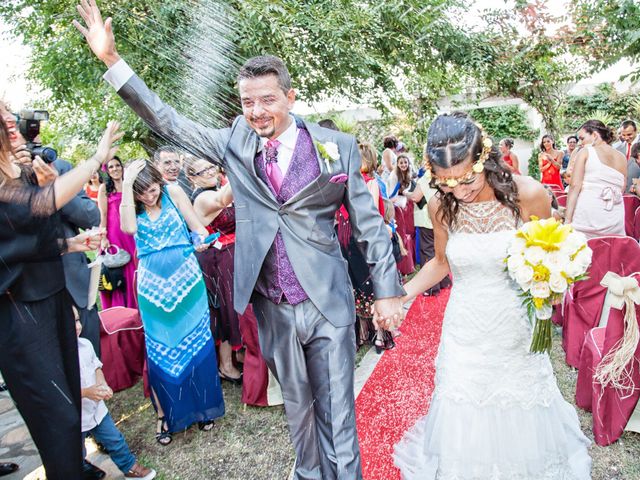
{"x": 461, "y": 440}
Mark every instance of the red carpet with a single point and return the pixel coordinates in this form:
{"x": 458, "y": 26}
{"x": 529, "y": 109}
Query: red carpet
{"x": 399, "y": 390}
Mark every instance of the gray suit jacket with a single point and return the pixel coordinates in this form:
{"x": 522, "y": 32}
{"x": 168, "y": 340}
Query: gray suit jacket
{"x": 306, "y": 220}
{"x": 81, "y": 212}
{"x": 633, "y": 170}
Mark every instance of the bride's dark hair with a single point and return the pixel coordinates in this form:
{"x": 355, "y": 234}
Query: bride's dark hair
{"x": 454, "y": 138}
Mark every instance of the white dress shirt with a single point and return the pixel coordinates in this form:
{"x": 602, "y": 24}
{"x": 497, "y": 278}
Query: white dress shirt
{"x": 288, "y": 140}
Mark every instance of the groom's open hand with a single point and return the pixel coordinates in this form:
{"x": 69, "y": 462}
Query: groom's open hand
{"x": 99, "y": 34}
{"x": 387, "y": 313}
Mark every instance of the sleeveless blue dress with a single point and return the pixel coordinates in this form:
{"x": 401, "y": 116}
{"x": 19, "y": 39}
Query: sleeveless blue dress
{"x": 172, "y": 299}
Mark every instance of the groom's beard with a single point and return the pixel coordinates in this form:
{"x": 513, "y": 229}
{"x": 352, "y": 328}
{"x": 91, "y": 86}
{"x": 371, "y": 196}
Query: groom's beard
{"x": 266, "y": 131}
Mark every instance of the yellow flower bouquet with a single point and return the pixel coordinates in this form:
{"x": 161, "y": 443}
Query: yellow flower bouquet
{"x": 544, "y": 258}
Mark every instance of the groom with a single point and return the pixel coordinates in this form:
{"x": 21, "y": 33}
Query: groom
{"x": 288, "y": 178}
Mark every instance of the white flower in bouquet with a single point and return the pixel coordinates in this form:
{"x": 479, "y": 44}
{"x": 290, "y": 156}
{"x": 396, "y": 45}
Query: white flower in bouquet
{"x": 573, "y": 242}
{"x": 574, "y": 269}
{"x": 534, "y": 255}
{"x": 556, "y": 261}
{"x": 540, "y": 290}
{"x": 544, "y": 312}
{"x": 583, "y": 258}
{"x": 517, "y": 247}
{"x": 515, "y": 263}
{"x": 524, "y": 275}
{"x": 557, "y": 283}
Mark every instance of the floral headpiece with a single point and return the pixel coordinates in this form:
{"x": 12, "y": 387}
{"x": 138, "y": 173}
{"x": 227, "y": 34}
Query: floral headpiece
{"x": 477, "y": 167}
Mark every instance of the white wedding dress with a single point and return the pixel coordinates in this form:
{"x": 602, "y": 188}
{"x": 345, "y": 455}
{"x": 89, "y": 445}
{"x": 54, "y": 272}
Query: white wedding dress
{"x": 496, "y": 411}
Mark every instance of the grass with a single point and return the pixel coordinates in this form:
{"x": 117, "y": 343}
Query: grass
{"x": 247, "y": 443}
{"x": 619, "y": 461}
{"x": 253, "y": 443}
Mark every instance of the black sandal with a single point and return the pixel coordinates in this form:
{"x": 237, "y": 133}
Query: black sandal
{"x": 206, "y": 426}
{"x": 163, "y": 436}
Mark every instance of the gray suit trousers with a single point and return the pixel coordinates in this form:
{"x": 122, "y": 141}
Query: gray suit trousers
{"x": 314, "y": 363}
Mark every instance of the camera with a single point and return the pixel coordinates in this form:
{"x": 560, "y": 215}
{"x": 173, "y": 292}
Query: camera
{"x": 29, "y": 126}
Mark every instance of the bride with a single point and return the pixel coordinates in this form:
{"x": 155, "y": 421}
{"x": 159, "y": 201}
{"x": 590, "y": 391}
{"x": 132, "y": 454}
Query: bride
{"x": 496, "y": 411}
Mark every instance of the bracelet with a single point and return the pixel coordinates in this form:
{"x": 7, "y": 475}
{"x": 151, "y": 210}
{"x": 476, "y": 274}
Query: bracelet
{"x": 127, "y": 205}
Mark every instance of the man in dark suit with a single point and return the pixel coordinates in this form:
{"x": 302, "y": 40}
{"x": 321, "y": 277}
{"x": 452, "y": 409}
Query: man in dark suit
{"x": 81, "y": 212}
{"x": 289, "y": 177}
{"x": 629, "y": 136}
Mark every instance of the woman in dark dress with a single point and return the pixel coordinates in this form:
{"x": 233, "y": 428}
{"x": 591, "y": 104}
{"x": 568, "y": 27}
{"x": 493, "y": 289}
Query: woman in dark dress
{"x": 38, "y": 347}
{"x": 213, "y": 203}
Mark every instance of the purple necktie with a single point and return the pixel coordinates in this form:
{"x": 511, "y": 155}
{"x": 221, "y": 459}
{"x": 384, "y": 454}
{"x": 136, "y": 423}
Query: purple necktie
{"x": 271, "y": 167}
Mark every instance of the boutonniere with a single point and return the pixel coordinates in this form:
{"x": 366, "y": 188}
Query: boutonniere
{"x": 329, "y": 153}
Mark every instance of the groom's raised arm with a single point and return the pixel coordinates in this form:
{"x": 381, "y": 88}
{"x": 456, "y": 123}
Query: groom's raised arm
{"x": 164, "y": 120}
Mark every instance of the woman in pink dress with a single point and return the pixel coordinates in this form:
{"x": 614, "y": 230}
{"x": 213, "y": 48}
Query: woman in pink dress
{"x": 594, "y": 203}
{"x": 109, "y": 198}
{"x": 550, "y": 162}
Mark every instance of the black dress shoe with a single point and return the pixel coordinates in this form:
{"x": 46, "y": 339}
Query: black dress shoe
{"x": 91, "y": 472}
{"x": 7, "y": 468}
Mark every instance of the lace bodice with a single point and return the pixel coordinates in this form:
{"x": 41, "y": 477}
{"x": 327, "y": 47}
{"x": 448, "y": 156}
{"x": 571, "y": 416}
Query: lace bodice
{"x": 485, "y": 324}
{"x": 483, "y": 217}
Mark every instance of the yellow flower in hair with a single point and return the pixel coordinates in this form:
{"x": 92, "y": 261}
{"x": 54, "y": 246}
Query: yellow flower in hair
{"x": 452, "y": 182}
{"x": 487, "y": 143}
{"x": 478, "y": 167}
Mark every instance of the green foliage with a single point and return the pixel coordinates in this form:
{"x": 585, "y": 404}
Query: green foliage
{"x": 508, "y": 121}
{"x": 534, "y": 168}
{"x": 529, "y": 66}
{"x": 607, "y": 31}
{"x": 605, "y": 104}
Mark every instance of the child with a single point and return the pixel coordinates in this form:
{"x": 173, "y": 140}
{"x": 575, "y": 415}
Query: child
{"x": 96, "y": 419}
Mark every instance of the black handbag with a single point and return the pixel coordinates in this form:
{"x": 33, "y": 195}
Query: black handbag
{"x": 111, "y": 279}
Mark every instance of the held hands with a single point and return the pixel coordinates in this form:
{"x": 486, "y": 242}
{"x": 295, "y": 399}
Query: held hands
{"x": 99, "y": 34}
{"x": 387, "y": 313}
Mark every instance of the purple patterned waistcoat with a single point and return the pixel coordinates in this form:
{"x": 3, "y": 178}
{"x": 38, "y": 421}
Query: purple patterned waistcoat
{"x": 277, "y": 278}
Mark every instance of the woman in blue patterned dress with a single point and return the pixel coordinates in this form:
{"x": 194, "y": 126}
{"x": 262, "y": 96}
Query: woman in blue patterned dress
{"x": 181, "y": 356}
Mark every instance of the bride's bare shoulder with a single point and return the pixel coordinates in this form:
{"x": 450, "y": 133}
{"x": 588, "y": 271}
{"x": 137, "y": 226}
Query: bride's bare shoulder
{"x": 533, "y": 198}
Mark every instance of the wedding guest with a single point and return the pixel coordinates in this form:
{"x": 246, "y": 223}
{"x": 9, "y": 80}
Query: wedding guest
{"x": 80, "y": 213}
{"x": 629, "y": 137}
{"x": 594, "y": 202}
{"x": 109, "y": 199}
{"x": 217, "y": 263}
{"x": 168, "y": 160}
{"x": 635, "y": 156}
{"x": 212, "y": 203}
{"x": 181, "y": 356}
{"x": 96, "y": 420}
{"x": 508, "y": 157}
{"x": 421, "y": 196}
{"x": 572, "y": 143}
{"x": 39, "y": 357}
{"x": 399, "y": 182}
{"x": 389, "y": 156}
{"x": 93, "y": 186}
{"x": 550, "y": 162}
